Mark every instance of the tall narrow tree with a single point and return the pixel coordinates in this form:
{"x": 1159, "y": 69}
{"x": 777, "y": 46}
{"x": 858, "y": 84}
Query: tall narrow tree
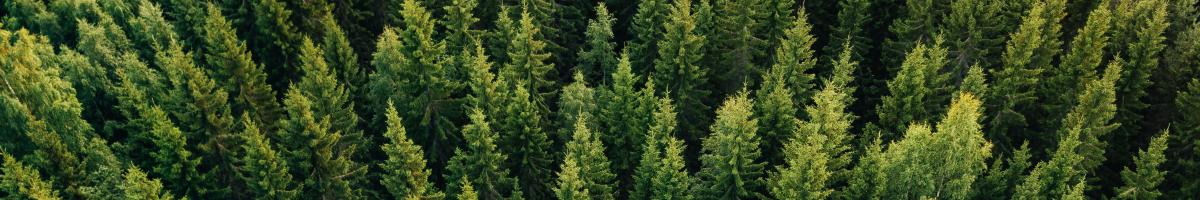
{"x": 405, "y": 174}
{"x": 731, "y": 166}
{"x": 1142, "y": 183}
{"x": 230, "y": 63}
{"x": 262, "y": 167}
{"x": 480, "y": 164}
{"x": 677, "y": 70}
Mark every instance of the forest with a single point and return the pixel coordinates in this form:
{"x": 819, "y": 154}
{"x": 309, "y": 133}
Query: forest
{"x": 599, "y": 100}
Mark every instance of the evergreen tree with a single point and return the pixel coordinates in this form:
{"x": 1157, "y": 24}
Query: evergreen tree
{"x": 460, "y": 21}
{"x": 175, "y": 164}
{"x": 592, "y": 167}
{"x": 1093, "y": 114}
{"x": 598, "y": 57}
{"x": 830, "y": 119}
{"x": 486, "y": 91}
{"x": 468, "y": 191}
{"x": 570, "y": 186}
{"x": 804, "y": 174}
{"x": 917, "y": 88}
{"x": 1028, "y": 52}
{"x": 999, "y": 181}
{"x": 733, "y": 45}
{"x": 138, "y": 187}
{"x": 1142, "y": 183}
{"x": 795, "y": 58}
{"x": 276, "y": 40}
{"x": 661, "y": 174}
{"x": 526, "y": 144}
{"x": 410, "y": 70}
{"x": 202, "y": 110}
{"x": 647, "y": 30}
{"x": 24, "y": 182}
{"x": 732, "y": 169}
{"x": 262, "y": 167}
{"x": 1139, "y": 37}
{"x": 230, "y": 63}
{"x": 1078, "y": 67}
{"x": 340, "y": 56}
{"x": 479, "y": 164}
{"x": 578, "y": 101}
{"x": 853, "y": 16}
{"x": 624, "y": 114}
{"x": 867, "y": 179}
{"x": 1186, "y": 161}
{"x": 320, "y": 85}
{"x": 528, "y": 63}
{"x": 404, "y": 175}
{"x": 677, "y": 70}
{"x": 919, "y": 24}
{"x": 311, "y": 144}
{"x": 975, "y": 33}
{"x": 776, "y": 113}
{"x": 925, "y": 165}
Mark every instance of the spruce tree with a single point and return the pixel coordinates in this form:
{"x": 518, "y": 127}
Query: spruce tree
{"x": 203, "y": 114}
{"x": 460, "y": 20}
{"x": 1093, "y": 113}
{"x": 316, "y": 135}
{"x": 340, "y": 56}
{"x": 276, "y": 40}
{"x": 262, "y": 167}
{"x": 731, "y": 166}
{"x": 624, "y": 114}
{"x": 411, "y": 71}
{"x": 139, "y": 187}
{"x": 677, "y": 70}
{"x": 853, "y": 16}
{"x": 1008, "y": 101}
{"x": 570, "y": 185}
{"x": 528, "y": 64}
{"x": 922, "y": 19}
{"x": 1143, "y": 182}
{"x": 577, "y": 101}
{"x": 1000, "y": 181}
{"x": 405, "y": 175}
{"x": 918, "y": 86}
{"x": 975, "y": 34}
{"x": 24, "y": 182}
{"x": 647, "y": 30}
{"x": 468, "y": 191}
{"x": 804, "y": 173}
{"x": 829, "y": 118}
{"x": 776, "y": 113}
{"x": 733, "y": 45}
{"x": 938, "y": 165}
{"x": 1064, "y": 81}
{"x": 230, "y": 63}
{"x": 598, "y": 57}
{"x": 661, "y": 174}
{"x": 480, "y": 164}
{"x": 867, "y": 178}
{"x": 485, "y": 89}
{"x": 1185, "y": 162}
{"x": 592, "y": 166}
{"x": 527, "y": 146}
{"x": 172, "y": 161}
{"x": 1139, "y": 37}
{"x": 320, "y": 85}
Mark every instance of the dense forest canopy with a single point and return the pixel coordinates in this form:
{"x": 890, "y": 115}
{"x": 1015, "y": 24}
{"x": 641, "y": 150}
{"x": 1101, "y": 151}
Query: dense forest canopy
{"x": 614, "y": 99}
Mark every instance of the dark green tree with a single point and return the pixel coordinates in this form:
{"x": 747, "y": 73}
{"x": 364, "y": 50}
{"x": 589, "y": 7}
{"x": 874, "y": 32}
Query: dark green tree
{"x": 276, "y": 41}
{"x": 624, "y": 114}
{"x": 480, "y": 164}
{"x": 598, "y": 58}
{"x": 230, "y": 63}
{"x": 830, "y": 119}
{"x": 1142, "y": 183}
{"x": 647, "y": 30}
{"x": 919, "y": 24}
{"x": 731, "y": 166}
{"x": 732, "y": 45}
{"x": 528, "y": 65}
{"x": 853, "y": 17}
{"x": 263, "y": 168}
{"x": 405, "y": 175}
{"x": 661, "y": 174}
{"x": 1027, "y": 53}
{"x": 139, "y": 187}
{"x": 577, "y": 101}
{"x": 527, "y": 145}
{"x": 24, "y": 182}
{"x": 1185, "y": 161}
{"x": 678, "y": 73}
{"x": 1000, "y": 181}
{"x": 585, "y": 153}
{"x": 1093, "y": 114}
{"x": 1078, "y": 67}
{"x": 975, "y": 34}
{"x": 938, "y": 165}
{"x": 1139, "y": 37}
{"x": 915, "y": 91}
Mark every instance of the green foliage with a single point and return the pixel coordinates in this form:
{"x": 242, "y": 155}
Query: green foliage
{"x": 1093, "y": 114}
{"x": 831, "y": 121}
{"x": 1142, "y": 183}
{"x": 526, "y": 144}
{"x": 941, "y": 165}
{"x": 975, "y": 34}
{"x": 1139, "y": 37}
{"x": 230, "y": 63}
{"x": 677, "y": 69}
{"x": 528, "y": 65}
{"x": 340, "y": 56}
{"x": 276, "y": 40}
{"x": 919, "y": 25}
{"x": 23, "y": 182}
{"x": 852, "y": 18}
{"x": 570, "y": 187}
{"x": 468, "y": 191}
{"x": 262, "y": 167}
{"x": 479, "y": 165}
{"x": 917, "y": 89}
{"x": 1027, "y": 53}
{"x": 577, "y": 101}
{"x": 731, "y": 166}
{"x": 313, "y": 144}
{"x": 585, "y": 153}
{"x": 598, "y": 57}
{"x": 795, "y": 58}
{"x": 624, "y": 114}
{"x": 1000, "y": 181}
{"x": 410, "y": 69}
{"x": 173, "y": 162}
{"x": 138, "y": 187}
{"x": 732, "y": 45}
{"x": 647, "y": 30}
{"x": 1187, "y": 133}
{"x": 661, "y": 174}
{"x": 404, "y": 175}
{"x": 804, "y": 174}
{"x": 1078, "y": 67}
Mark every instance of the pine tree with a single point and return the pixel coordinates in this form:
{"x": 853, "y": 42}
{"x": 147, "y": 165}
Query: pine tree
{"x": 1186, "y": 161}
{"x": 485, "y": 89}
{"x": 468, "y": 191}
{"x": 1000, "y": 181}
{"x": 1094, "y": 113}
{"x": 479, "y": 164}
{"x": 262, "y": 167}
{"x": 24, "y": 182}
{"x": 919, "y": 25}
{"x": 598, "y": 57}
{"x": 795, "y": 58}
{"x": 231, "y": 64}
{"x": 938, "y": 166}
{"x": 526, "y": 144}
{"x": 867, "y": 179}
{"x": 804, "y": 174}
{"x": 341, "y": 57}
{"x": 731, "y": 167}
{"x": 624, "y": 114}
{"x": 311, "y": 145}
{"x": 975, "y": 33}
{"x": 1139, "y": 35}
{"x": 528, "y": 62}
{"x": 570, "y": 186}
{"x": 320, "y": 85}
{"x": 830, "y": 119}
{"x": 1021, "y": 68}
{"x": 661, "y": 174}
{"x": 500, "y": 38}
{"x": 732, "y": 46}
{"x": 202, "y": 110}
{"x": 852, "y": 19}
{"x": 34, "y": 16}
{"x": 138, "y": 187}
{"x": 592, "y": 166}
{"x": 276, "y": 40}
{"x": 672, "y": 180}
{"x": 405, "y": 175}
{"x": 677, "y": 70}
{"x": 175, "y": 164}
{"x": 1064, "y": 81}
{"x": 460, "y": 21}
{"x": 1142, "y": 183}
{"x": 647, "y": 30}
{"x": 577, "y": 101}
{"x": 410, "y": 70}
{"x": 917, "y": 88}
{"x": 776, "y": 114}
